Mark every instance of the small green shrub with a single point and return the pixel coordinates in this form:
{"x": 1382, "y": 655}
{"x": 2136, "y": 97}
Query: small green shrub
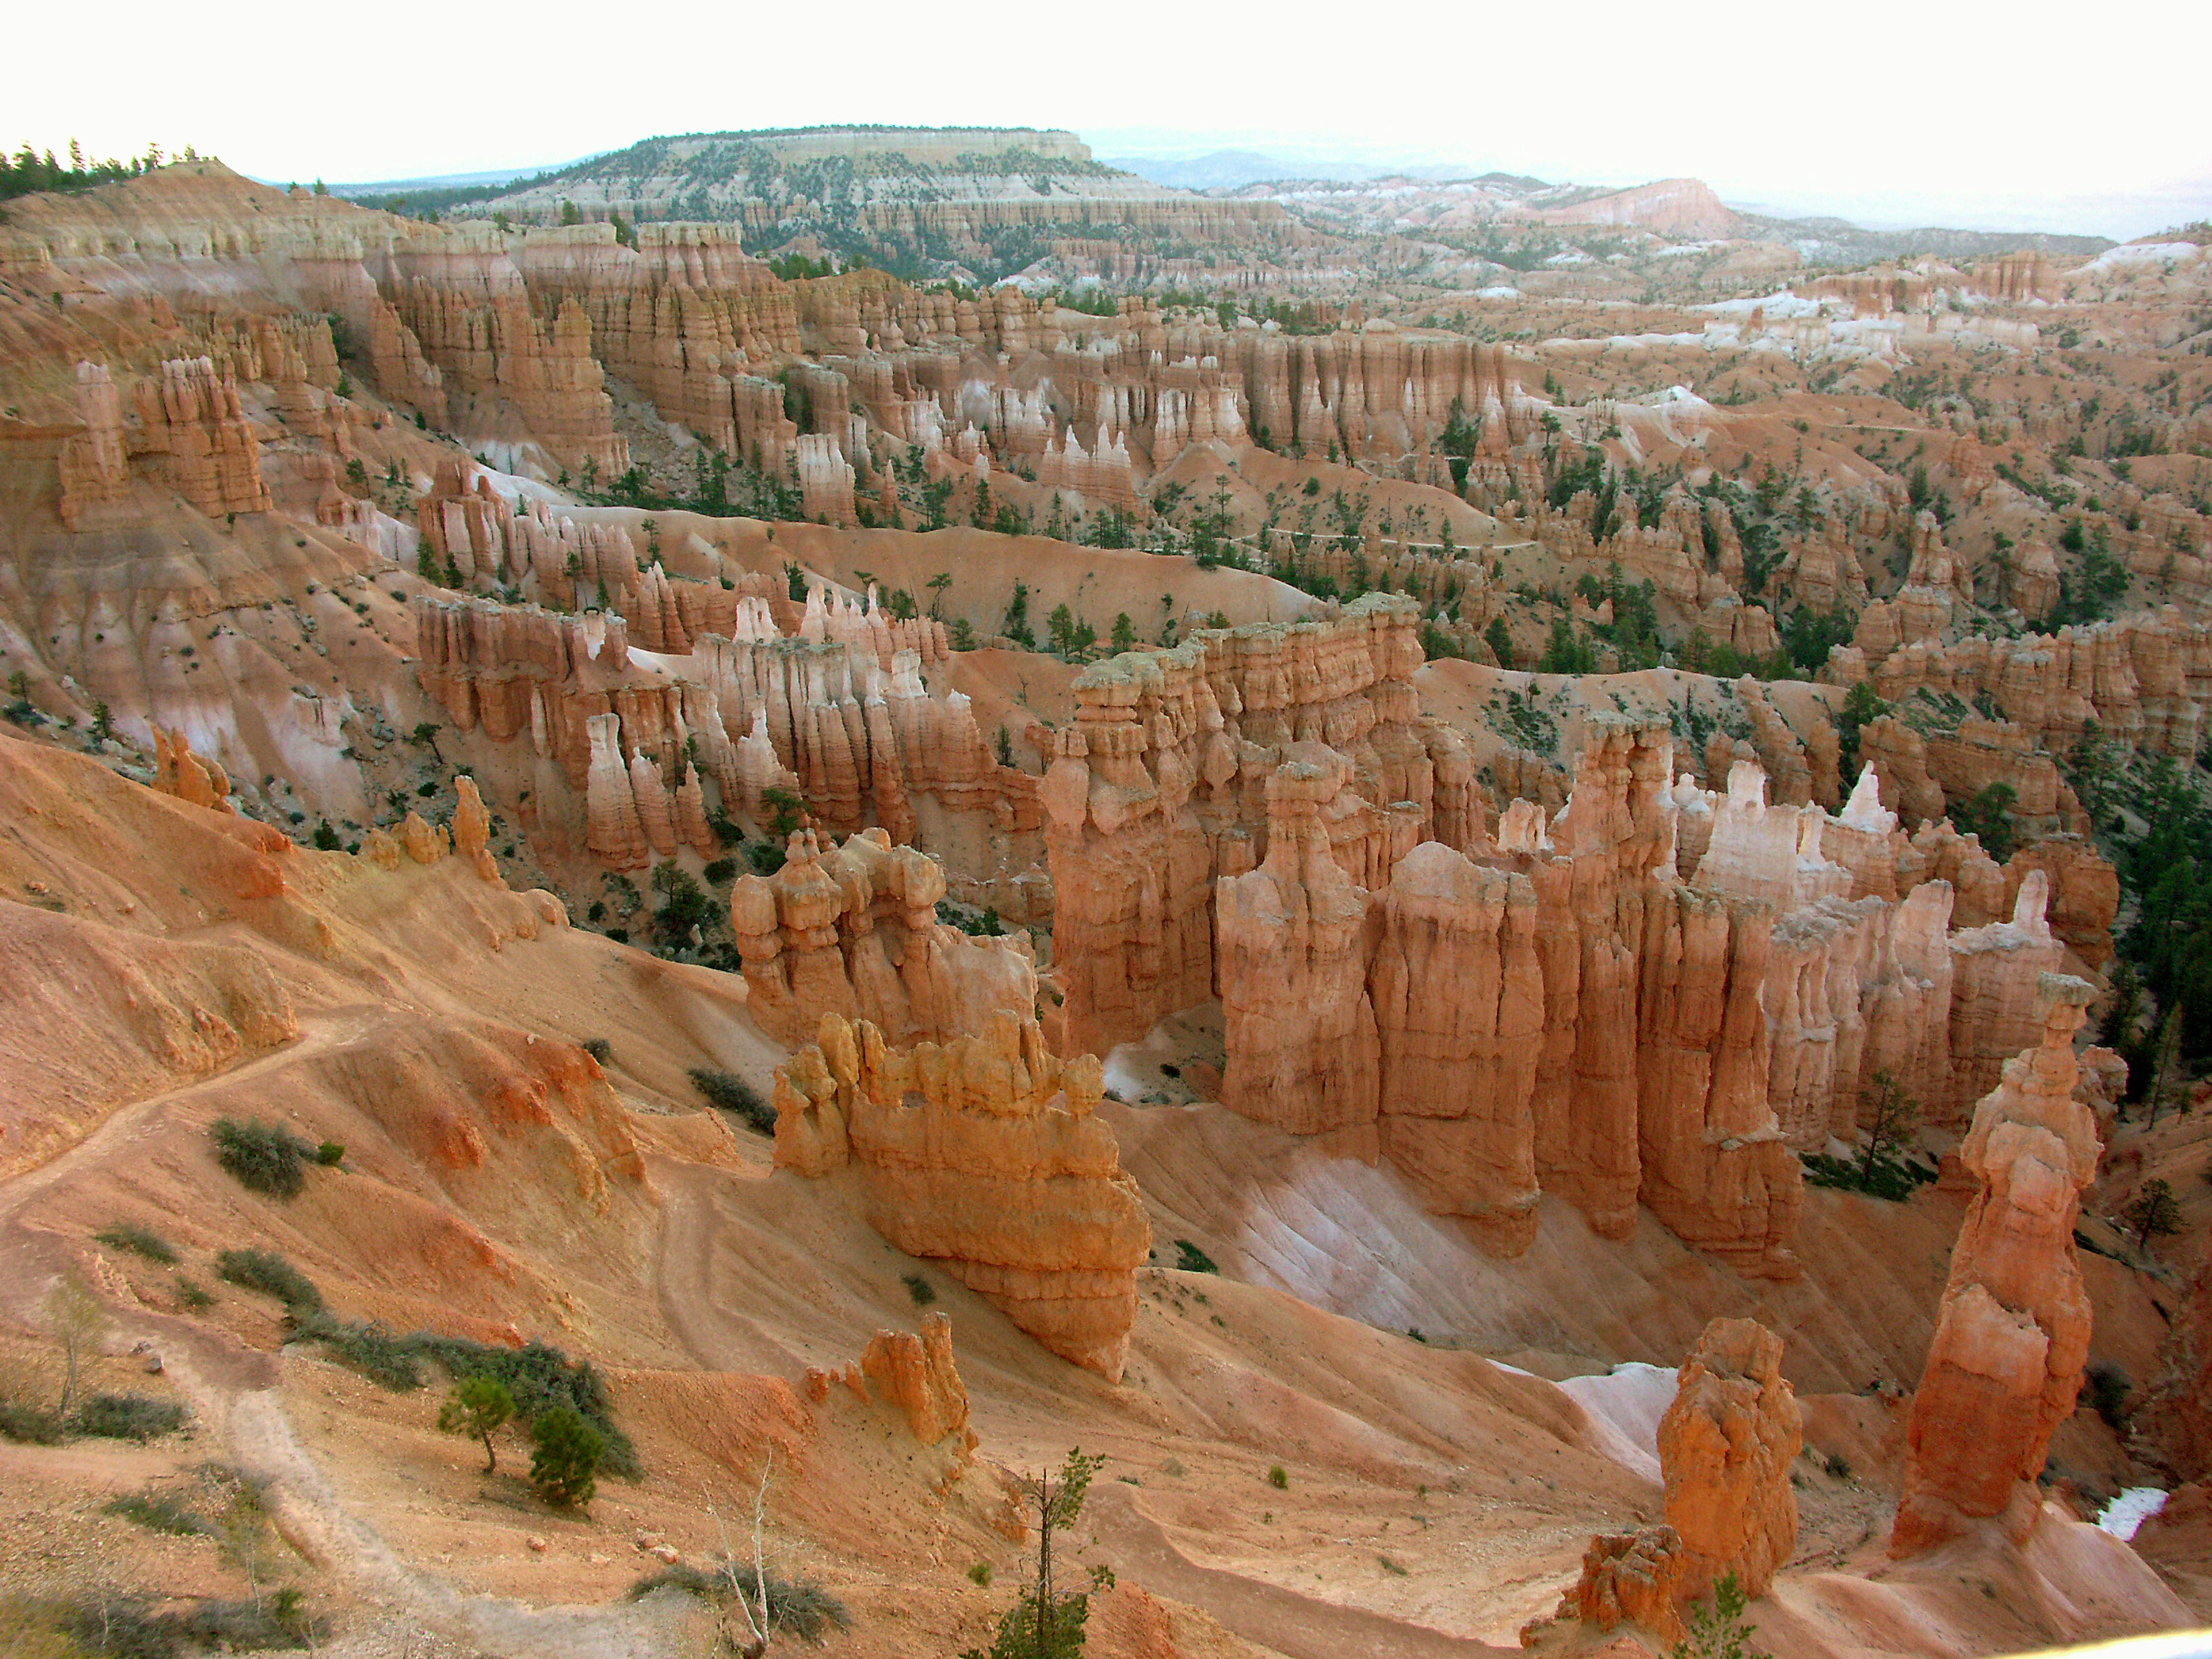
{"x": 1390, "y": 1567}
{"x": 979, "y": 1574}
{"x": 157, "y": 1512}
{"x": 127, "y": 1417}
{"x": 1717, "y": 1630}
{"x": 1191, "y": 1260}
{"x": 798, "y": 1605}
{"x": 479, "y": 1407}
{"x": 367, "y": 1347}
{"x": 721, "y": 872}
{"x": 564, "y": 1460}
{"x": 262, "y": 1156}
{"x": 330, "y": 1154}
{"x": 1838, "y": 1467}
{"x": 30, "y": 1425}
{"x": 920, "y": 1290}
{"x": 139, "y": 1241}
{"x": 728, "y": 1092}
{"x": 538, "y": 1376}
{"x": 191, "y": 1296}
{"x": 1887, "y": 1178}
{"x": 598, "y": 1047}
{"x": 272, "y": 1275}
{"x": 1278, "y": 1477}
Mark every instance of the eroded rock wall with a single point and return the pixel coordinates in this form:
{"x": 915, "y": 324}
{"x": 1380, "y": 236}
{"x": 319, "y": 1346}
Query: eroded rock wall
{"x": 983, "y": 1154}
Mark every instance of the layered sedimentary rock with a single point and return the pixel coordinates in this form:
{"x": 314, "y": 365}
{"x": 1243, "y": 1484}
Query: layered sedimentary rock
{"x": 1714, "y": 1165}
{"x": 914, "y": 1375}
{"x": 1996, "y": 995}
{"x": 1558, "y": 1012}
{"x": 1160, "y": 786}
{"x": 1457, "y": 992}
{"x": 2143, "y": 679}
{"x": 485, "y": 339}
{"x": 1725, "y": 1448}
{"x": 2012, "y": 1332}
{"x": 836, "y": 713}
{"x": 852, "y": 931}
{"x": 1632, "y": 1577}
{"x": 192, "y": 424}
{"x": 95, "y": 467}
{"x": 983, "y": 1154}
{"x": 1301, "y": 1040}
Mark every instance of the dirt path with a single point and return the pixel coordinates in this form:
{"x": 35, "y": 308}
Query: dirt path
{"x": 1298, "y": 1627}
{"x": 235, "y": 1395}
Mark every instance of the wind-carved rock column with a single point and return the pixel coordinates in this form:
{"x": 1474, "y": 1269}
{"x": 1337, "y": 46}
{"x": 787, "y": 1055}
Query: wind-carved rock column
{"x": 1458, "y": 1001}
{"x": 984, "y": 1155}
{"x": 472, "y": 829}
{"x": 1615, "y": 835}
{"x": 1131, "y": 866}
{"x": 1715, "y": 1167}
{"x": 1995, "y": 1007}
{"x": 612, "y": 829}
{"x": 2005, "y": 1364}
{"x": 852, "y": 930}
{"x": 1303, "y": 1052}
{"x": 1725, "y": 1448}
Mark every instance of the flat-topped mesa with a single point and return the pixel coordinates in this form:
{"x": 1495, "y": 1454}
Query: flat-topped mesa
{"x": 1159, "y": 785}
{"x": 1725, "y": 1448}
{"x": 852, "y": 931}
{"x": 983, "y": 1154}
{"x": 2012, "y": 1335}
{"x": 191, "y": 422}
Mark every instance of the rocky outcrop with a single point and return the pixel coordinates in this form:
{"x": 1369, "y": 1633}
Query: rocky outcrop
{"x": 837, "y": 714}
{"x": 95, "y": 466}
{"x": 2083, "y": 893}
{"x": 192, "y": 426}
{"x": 2142, "y": 679}
{"x": 192, "y": 778}
{"x": 1636, "y": 1578}
{"x": 1713, "y": 1165}
{"x": 1726, "y": 1445}
{"x": 614, "y": 830}
{"x": 913, "y": 1375}
{"x": 2012, "y": 1332}
{"x": 1457, "y": 992}
{"x": 1995, "y": 995}
{"x": 983, "y": 1154}
{"x": 472, "y": 829}
{"x": 1160, "y": 786}
{"x": 1301, "y": 1046}
{"x": 852, "y": 931}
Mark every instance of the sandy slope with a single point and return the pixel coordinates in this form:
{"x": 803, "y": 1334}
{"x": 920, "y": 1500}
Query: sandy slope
{"x": 499, "y": 1183}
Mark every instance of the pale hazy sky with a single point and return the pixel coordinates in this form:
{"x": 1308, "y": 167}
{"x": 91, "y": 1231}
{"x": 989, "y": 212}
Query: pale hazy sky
{"x": 2093, "y": 118}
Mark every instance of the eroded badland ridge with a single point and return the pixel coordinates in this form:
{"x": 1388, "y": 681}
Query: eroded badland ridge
{"x": 1506, "y": 885}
